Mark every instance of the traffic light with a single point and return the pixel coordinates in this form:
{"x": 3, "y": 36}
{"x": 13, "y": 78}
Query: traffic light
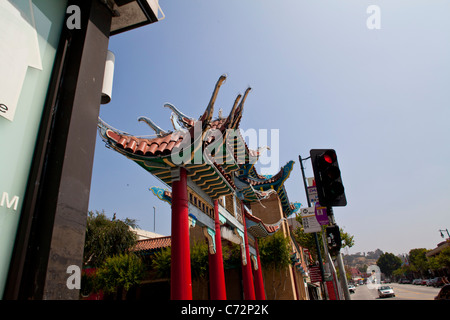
{"x": 333, "y": 239}
{"x": 327, "y": 175}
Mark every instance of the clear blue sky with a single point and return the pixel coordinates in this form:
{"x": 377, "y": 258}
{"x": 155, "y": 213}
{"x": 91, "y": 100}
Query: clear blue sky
{"x": 380, "y": 98}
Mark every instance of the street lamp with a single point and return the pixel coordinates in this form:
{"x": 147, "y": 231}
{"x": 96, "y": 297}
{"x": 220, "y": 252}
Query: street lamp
{"x": 442, "y": 234}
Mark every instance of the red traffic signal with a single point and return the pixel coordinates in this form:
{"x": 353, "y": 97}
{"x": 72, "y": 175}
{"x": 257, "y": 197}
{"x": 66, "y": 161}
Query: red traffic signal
{"x": 327, "y": 175}
{"x": 329, "y": 156}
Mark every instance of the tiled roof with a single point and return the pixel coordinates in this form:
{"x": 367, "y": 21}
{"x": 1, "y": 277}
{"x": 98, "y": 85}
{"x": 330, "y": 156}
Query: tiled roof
{"x": 153, "y": 244}
{"x": 271, "y": 180}
{"x": 278, "y": 178}
{"x": 258, "y": 228}
{"x": 145, "y": 147}
{"x": 161, "y": 145}
{"x": 225, "y": 175}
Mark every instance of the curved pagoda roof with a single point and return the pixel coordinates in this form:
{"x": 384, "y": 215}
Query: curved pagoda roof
{"x": 227, "y": 166}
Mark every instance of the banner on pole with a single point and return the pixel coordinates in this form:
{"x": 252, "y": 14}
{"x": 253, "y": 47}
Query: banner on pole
{"x": 309, "y": 220}
{"x": 321, "y": 214}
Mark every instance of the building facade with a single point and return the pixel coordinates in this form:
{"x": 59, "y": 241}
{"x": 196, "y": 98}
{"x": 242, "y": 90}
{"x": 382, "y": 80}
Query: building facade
{"x": 54, "y": 53}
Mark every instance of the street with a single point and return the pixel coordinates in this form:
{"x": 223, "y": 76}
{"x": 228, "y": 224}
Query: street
{"x": 402, "y": 292}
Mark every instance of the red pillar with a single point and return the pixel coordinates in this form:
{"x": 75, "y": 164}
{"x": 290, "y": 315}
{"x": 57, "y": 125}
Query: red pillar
{"x": 295, "y": 283}
{"x": 216, "y": 272}
{"x": 247, "y": 277}
{"x": 181, "y": 283}
{"x": 259, "y": 283}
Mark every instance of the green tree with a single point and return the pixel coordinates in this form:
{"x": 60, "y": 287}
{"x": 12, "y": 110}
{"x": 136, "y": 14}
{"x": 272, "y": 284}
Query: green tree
{"x": 161, "y": 263}
{"x": 119, "y": 273}
{"x": 347, "y": 239}
{"x": 434, "y": 264}
{"x": 444, "y": 258}
{"x": 199, "y": 260}
{"x": 307, "y": 240}
{"x": 388, "y": 263}
{"x": 418, "y": 260}
{"x": 401, "y": 272}
{"x": 440, "y": 261}
{"x": 374, "y": 254}
{"x": 106, "y": 238}
{"x": 231, "y": 255}
{"x": 274, "y": 251}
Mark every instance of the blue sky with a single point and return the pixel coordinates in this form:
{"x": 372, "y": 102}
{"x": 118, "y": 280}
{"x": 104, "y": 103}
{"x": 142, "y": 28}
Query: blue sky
{"x": 380, "y": 98}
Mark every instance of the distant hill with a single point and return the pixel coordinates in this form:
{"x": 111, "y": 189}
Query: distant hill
{"x": 362, "y": 260}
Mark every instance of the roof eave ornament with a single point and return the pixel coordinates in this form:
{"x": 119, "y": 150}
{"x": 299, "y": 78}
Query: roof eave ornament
{"x": 255, "y": 154}
{"x": 206, "y": 117}
{"x": 237, "y": 114}
{"x": 159, "y": 132}
{"x": 182, "y": 119}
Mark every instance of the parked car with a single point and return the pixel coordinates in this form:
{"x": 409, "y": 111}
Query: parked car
{"x": 405, "y": 281}
{"x": 351, "y": 289}
{"x": 386, "y": 291}
{"x": 430, "y": 282}
{"x": 417, "y": 281}
{"x": 424, "y": 282}
{"x": 444, "y": 294}
{"x": 439, "y": 282}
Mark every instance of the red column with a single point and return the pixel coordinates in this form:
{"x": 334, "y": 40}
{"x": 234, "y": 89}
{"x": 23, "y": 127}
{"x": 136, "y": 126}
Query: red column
{"x": 247, "y": 277}
{"x": 216, "y": 272}
{"x": 295, "y": 282}
{"x": 259, "y": 283}
{"x": 181, "y": 283}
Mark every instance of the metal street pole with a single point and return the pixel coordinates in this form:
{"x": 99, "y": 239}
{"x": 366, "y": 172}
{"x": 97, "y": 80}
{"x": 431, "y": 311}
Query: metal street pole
{"x": 154, "y": 219}
{"x": 331, "y": 267}
{"x": 344, "y": 284}
{"x": 316, "y": 239}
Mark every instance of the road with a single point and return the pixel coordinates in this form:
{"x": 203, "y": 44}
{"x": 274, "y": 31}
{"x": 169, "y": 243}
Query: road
{"x": 402, "y": 292}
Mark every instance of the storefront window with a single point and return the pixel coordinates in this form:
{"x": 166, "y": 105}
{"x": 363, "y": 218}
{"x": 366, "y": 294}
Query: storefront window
{"x": 29, "y": 36}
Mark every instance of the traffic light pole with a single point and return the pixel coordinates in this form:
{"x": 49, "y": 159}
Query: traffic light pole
{"x": 344, "y": 284}
{"x": 316, "y": 239}
{"x": 331, "y": 193}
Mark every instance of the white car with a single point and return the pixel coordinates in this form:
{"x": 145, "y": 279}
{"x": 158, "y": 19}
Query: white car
{"x": 351, "y": 289}
{"x": 385, "y": 291}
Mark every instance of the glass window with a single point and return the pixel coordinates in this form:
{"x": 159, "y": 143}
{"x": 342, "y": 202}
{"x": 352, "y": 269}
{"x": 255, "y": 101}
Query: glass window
{"x": 29, "y": 36}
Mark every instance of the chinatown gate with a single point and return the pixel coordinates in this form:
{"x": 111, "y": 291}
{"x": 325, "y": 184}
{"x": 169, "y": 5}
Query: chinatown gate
{"x": 213, "y": 182}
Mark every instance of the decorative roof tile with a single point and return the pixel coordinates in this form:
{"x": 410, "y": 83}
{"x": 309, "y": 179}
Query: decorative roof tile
{"x": 152, "y": 244}
{"x": 145, "y": 147}
{"x": 258, "y": 228}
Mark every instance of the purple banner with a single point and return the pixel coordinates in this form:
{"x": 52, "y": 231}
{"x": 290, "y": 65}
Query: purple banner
{"x": 321, "y": 214}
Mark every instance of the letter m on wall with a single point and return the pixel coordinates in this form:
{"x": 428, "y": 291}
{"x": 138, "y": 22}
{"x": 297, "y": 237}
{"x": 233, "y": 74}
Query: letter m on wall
{"x": 9, "y": 203}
